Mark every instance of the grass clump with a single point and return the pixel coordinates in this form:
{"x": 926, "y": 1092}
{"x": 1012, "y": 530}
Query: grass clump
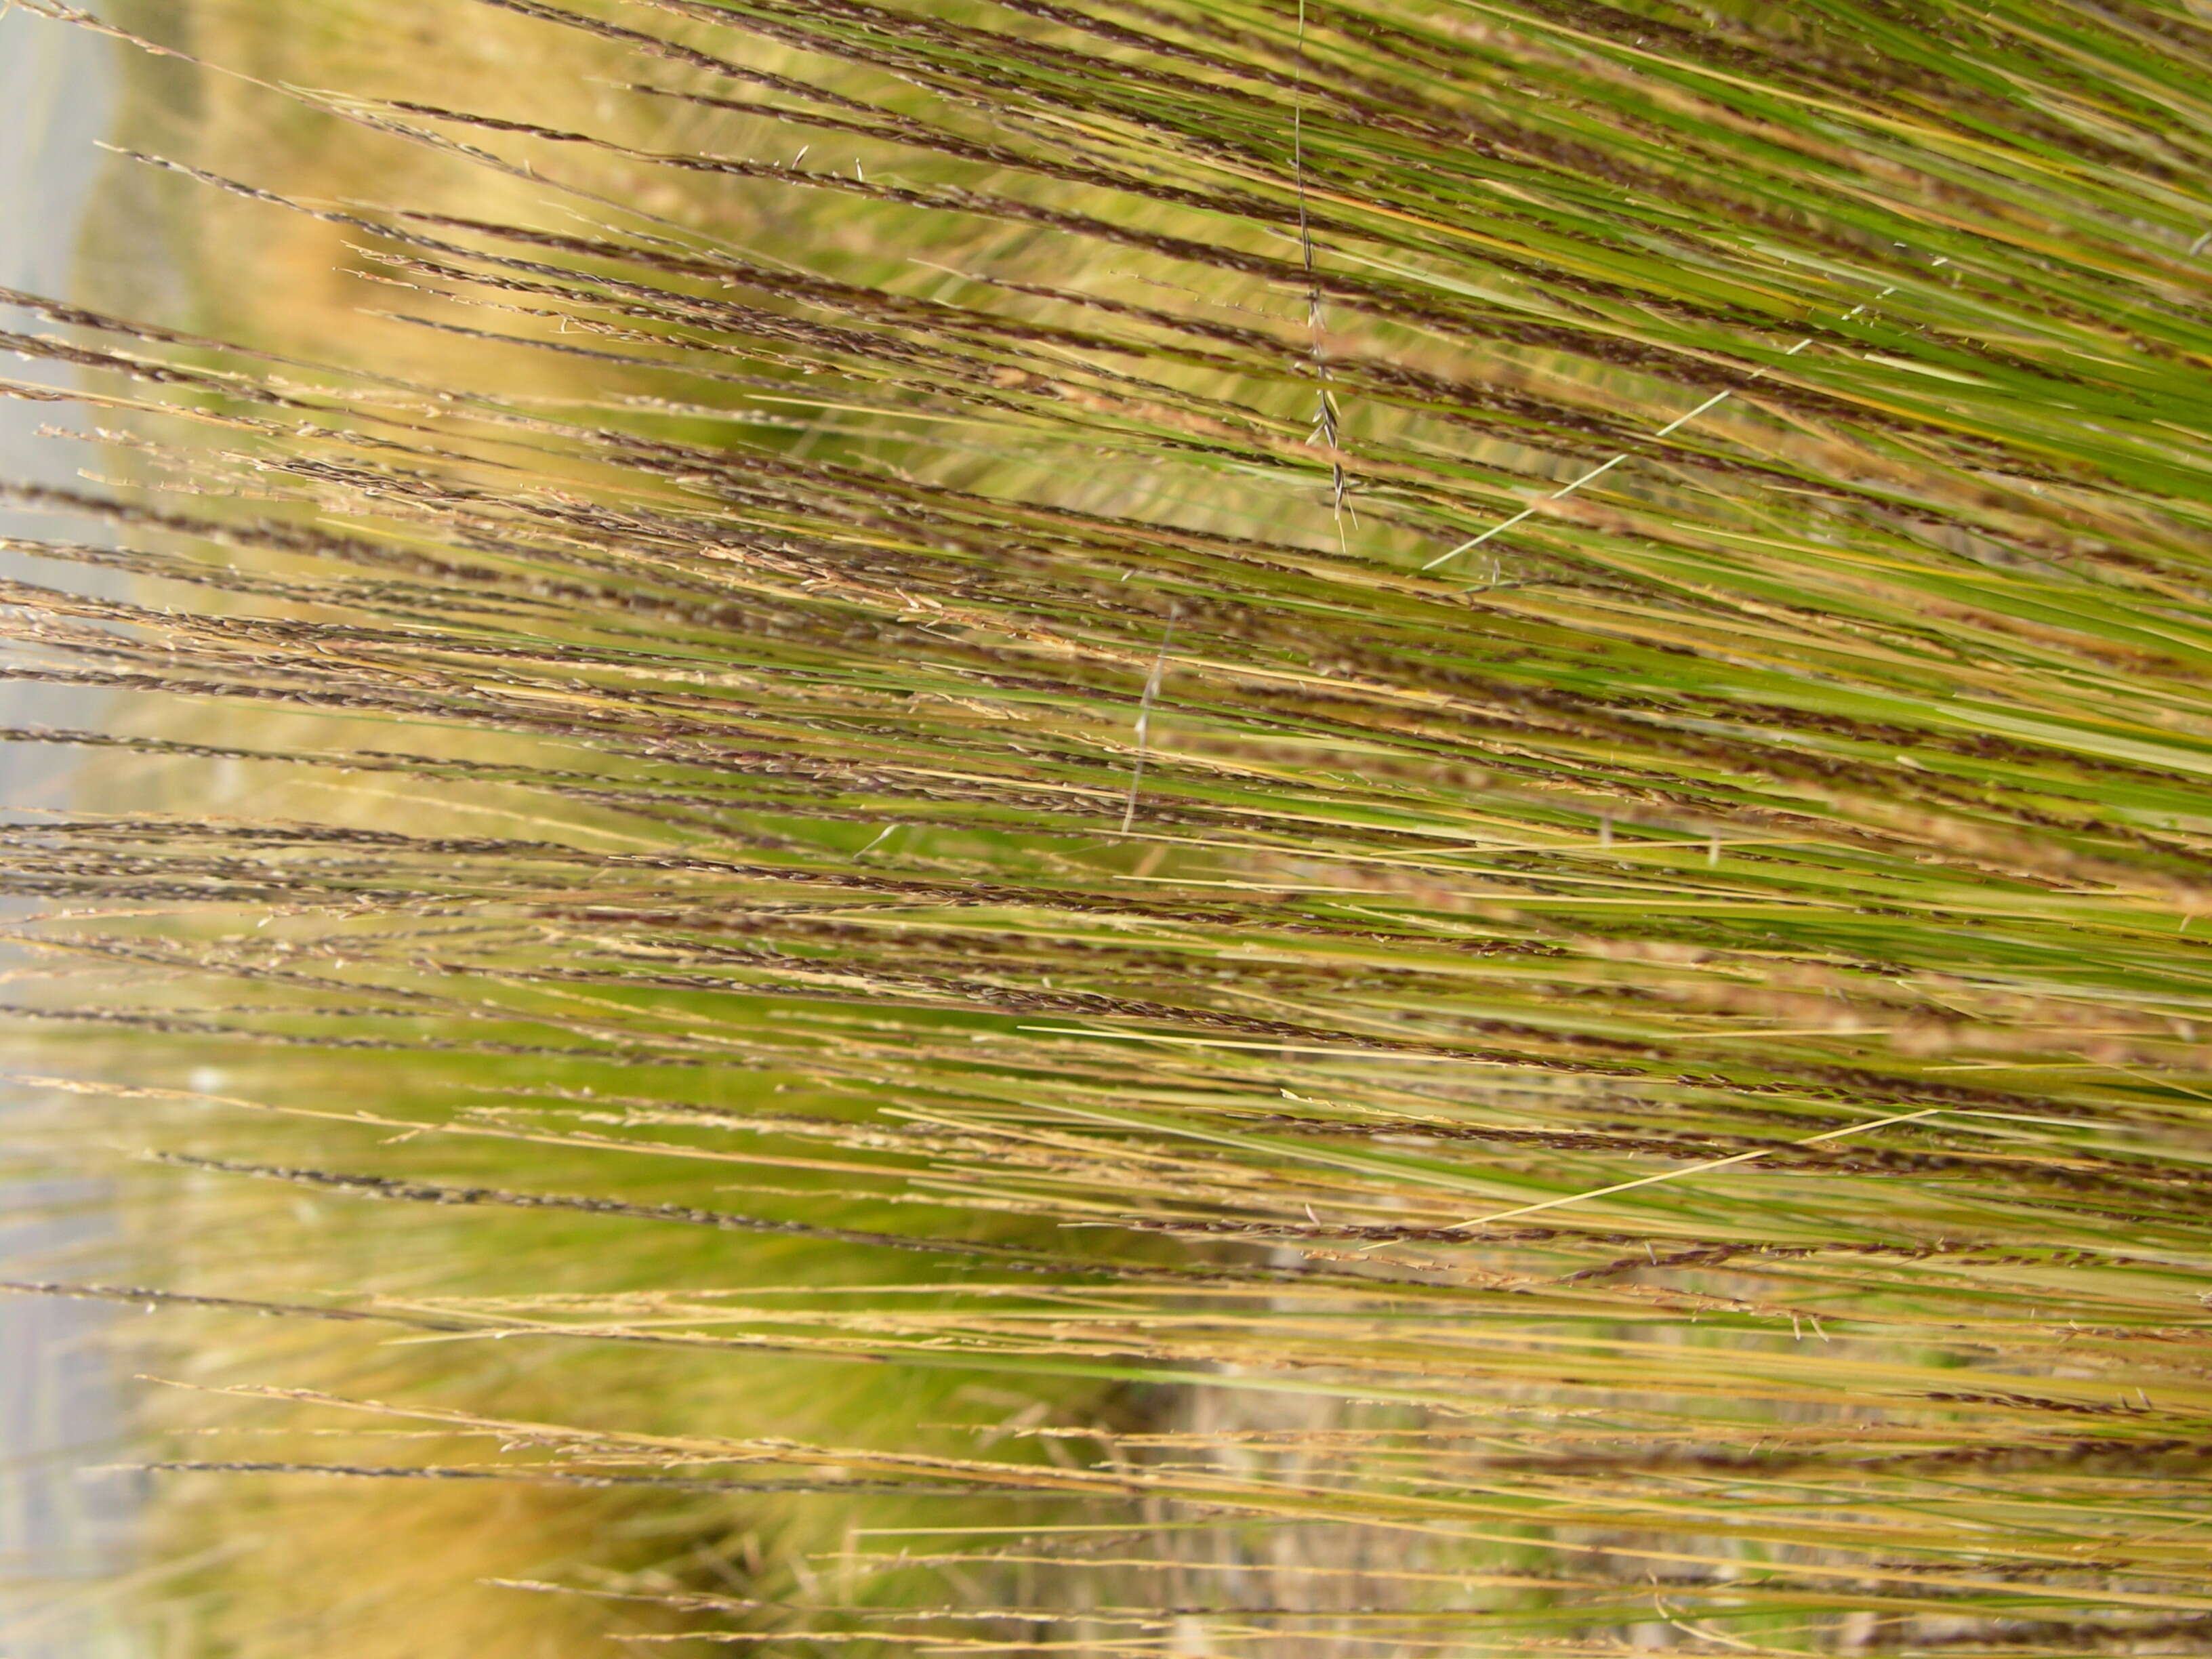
{"x": 1183, "y": 829}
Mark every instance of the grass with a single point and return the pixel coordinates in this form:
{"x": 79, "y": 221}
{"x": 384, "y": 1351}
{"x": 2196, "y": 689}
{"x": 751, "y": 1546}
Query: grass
{"x": 1190, "y": 829}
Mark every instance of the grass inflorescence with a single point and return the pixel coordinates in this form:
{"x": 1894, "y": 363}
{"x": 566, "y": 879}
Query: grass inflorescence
{"x": 1194, "y": 828}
